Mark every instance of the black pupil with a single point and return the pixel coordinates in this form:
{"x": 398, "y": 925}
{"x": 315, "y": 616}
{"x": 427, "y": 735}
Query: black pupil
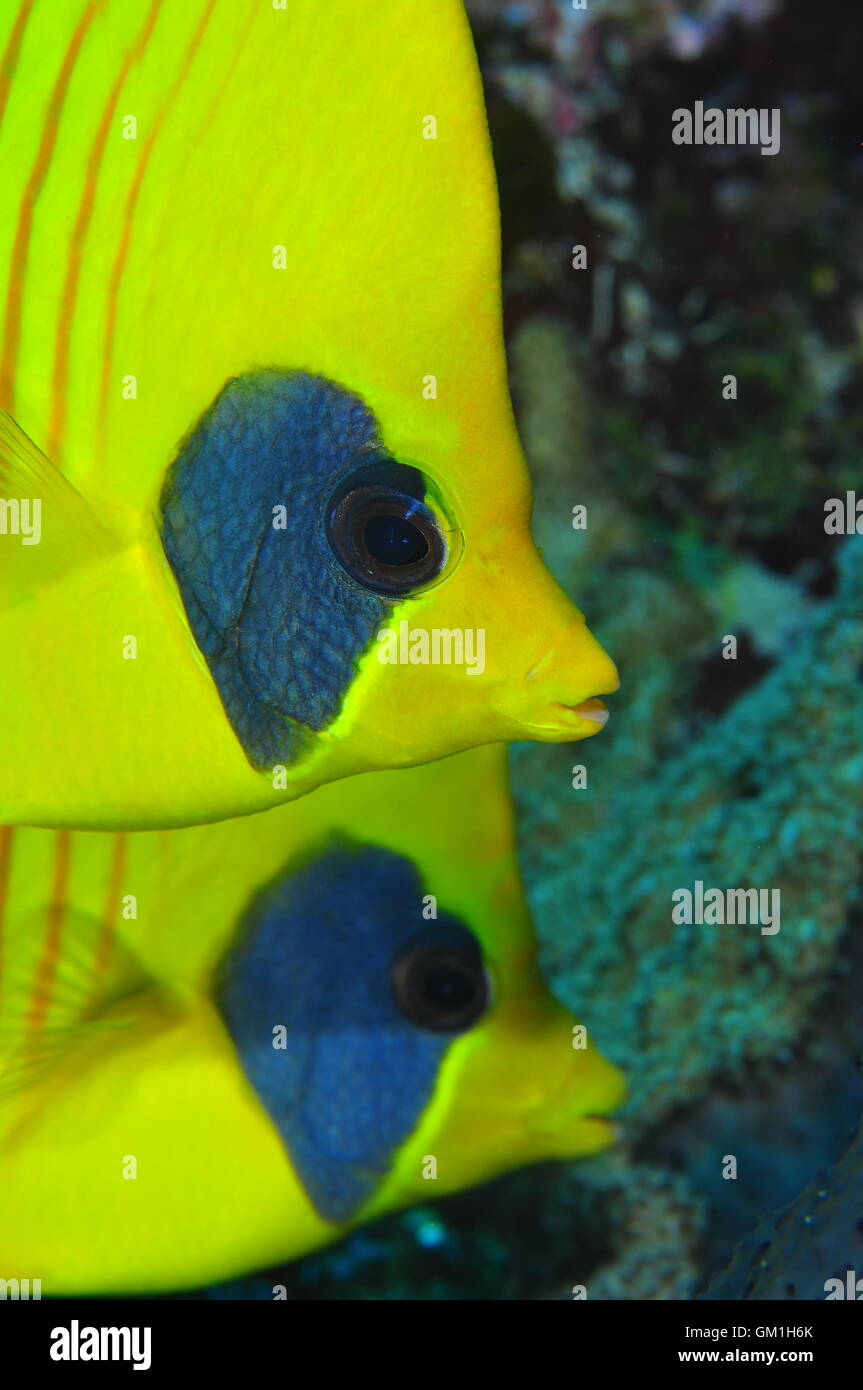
{"x": 392, "y": 540}
{"x": 446, "y": 988}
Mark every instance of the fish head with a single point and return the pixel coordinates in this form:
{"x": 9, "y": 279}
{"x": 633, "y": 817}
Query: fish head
{"x": 359, "y": 608}
{"x": 489, "y": 648}
{"x": 417, "y": 1044}
{"x": 523, "y": 1082}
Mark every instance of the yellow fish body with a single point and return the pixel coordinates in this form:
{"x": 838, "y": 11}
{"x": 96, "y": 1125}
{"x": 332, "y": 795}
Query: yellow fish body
{"x": 317, "y": 1016}
{"x": 263, "y": 508}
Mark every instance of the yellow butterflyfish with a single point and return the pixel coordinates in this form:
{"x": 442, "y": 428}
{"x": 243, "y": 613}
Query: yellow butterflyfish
{"x": 263, "y": 507}
{"x": 226, "y": 1046}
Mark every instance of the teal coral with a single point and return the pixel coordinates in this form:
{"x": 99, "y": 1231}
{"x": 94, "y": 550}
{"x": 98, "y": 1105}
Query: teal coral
{"x": 769, "y": 795}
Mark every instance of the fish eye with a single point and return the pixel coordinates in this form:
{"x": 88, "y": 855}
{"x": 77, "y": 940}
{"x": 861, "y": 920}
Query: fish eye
{"x": 439, "y": 981}
{"x": 384, "y": 530}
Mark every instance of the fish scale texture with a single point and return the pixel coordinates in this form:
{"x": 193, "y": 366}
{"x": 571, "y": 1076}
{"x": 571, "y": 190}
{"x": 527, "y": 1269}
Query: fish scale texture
{"x": 280, "y": 623}
{"x": 355, "y": 1074}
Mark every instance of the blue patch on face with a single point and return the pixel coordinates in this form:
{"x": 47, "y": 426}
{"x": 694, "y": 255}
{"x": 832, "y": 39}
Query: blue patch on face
{"x": 334, "y": 954}
{"x": 271, "y": 609}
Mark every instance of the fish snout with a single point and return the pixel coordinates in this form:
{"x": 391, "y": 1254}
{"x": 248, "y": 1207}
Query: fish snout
{"x": 562, "y": 687}
{"x": 498, "y": 655}
{"x": 548, "y": 667}
{"x": 577, "y": 1120}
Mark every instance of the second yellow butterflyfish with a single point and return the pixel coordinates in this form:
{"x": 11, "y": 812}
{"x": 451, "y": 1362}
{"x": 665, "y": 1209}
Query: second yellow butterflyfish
{"x": 224, "y": 1046}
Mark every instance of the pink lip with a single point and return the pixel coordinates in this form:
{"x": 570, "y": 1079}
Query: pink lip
{"x": 593, "y": 710}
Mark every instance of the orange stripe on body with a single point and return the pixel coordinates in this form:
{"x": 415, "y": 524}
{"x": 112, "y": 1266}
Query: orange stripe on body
{"x": 38, "y": 174}
{"x": 10, "y": 57}
{"x": 50, "y": 957}
{"x": 131, "y": 202}
{"x": 110, "y": 912}
{"x": 235, "y": 57}
{"x": 76, "y": 246}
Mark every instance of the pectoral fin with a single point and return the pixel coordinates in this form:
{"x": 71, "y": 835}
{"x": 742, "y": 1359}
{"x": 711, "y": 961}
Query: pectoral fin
{"x": 46, "y": 527}
{"x": 60, "y": 970}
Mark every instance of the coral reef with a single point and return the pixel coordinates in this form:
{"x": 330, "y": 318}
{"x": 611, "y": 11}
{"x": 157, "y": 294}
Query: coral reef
{"x": 701, "y": 261}
{"x": 737, "y": 773}
{"x": 771, "y": 792}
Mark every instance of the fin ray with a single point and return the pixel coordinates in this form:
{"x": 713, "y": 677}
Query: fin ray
{"x": 31, "y": 1042}
{"x": 47, "y": 528}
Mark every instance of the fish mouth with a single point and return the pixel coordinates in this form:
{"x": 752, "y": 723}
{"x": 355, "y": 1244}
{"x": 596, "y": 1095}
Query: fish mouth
{"x": 598, "y": 1132}
{"x": 575, "y": 1135}
{"x": 584, "y": 720}
{"x": 604, "y": 1122}
{"x": 587, "y": 1130}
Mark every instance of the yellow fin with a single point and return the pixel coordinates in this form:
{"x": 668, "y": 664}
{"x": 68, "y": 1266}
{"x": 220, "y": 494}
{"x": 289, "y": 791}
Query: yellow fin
{"x": 46, "y": 527}
{"x": 50, "y": 999}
